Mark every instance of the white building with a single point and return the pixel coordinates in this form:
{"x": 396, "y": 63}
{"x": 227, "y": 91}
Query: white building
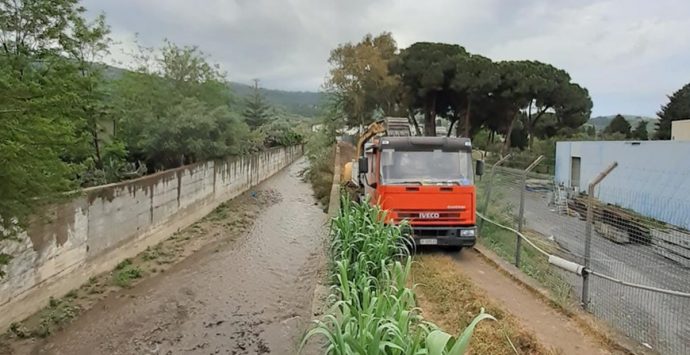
{"x": 652, "y": 177}
{"x": 680, "y": 130}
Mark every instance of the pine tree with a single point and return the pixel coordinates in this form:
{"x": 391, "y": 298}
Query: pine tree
{"x": 678, "y": 108}
{"x": 257, "y": 112}
{"x": 619, "y": 125}
{"x": 640, "y": 131}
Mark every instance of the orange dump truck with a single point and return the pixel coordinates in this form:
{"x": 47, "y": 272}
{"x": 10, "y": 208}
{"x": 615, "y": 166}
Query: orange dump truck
{"x": 427, "y": 181}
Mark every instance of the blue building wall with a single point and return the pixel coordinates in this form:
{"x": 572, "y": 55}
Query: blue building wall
{"x": 652, "y": 177}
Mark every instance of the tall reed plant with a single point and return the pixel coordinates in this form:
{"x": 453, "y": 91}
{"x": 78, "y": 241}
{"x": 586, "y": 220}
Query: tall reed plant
{"x": 374, "y": 309}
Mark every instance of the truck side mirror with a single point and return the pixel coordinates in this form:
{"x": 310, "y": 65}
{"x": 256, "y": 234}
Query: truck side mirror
{"x": 480, "y": 168}
{"x": 363, "y": 166}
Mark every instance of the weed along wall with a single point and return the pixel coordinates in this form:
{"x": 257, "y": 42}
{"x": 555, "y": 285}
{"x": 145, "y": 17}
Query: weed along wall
{"x": 92, "y": 232}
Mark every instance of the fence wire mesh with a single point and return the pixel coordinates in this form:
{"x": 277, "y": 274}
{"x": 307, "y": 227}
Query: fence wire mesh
{"x": 625, "y": 245}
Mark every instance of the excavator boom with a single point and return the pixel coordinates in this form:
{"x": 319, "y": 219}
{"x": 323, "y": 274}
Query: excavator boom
{"x": 391, "y": 126}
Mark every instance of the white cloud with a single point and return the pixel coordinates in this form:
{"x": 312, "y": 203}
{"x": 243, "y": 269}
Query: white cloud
{"x": 629, "y": 54}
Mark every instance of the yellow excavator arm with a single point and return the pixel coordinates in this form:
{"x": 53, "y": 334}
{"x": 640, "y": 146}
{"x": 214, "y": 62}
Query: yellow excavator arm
{"x": 391, "y": 125}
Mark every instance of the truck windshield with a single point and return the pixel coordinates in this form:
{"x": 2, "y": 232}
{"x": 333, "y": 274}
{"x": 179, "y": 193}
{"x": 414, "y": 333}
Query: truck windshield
{"x": 426, "y": 167}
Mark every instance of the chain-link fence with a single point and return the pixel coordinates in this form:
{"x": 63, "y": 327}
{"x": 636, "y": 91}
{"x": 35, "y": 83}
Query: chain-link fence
{"x": 636, "y": 269}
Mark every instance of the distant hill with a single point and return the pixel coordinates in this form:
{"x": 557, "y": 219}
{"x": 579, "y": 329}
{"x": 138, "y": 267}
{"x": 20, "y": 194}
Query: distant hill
{"x": 302, "y": 103}
{"x": 601, "y": 122}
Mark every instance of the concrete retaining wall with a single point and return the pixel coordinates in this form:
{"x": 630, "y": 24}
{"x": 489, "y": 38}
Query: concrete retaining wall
{"x": 92, "y": 232}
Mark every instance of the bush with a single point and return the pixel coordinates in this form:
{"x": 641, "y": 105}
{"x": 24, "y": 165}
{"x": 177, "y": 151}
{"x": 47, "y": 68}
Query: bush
{"x": 320, "y": 149}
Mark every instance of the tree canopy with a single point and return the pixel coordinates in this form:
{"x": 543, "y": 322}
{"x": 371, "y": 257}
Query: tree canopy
{"x": 44, "y": 98}
{"x": 434, "y": 80}
{"x": 360, "y": 80}
{"x": 678, "y": 108}
{"x": 256, "y": 112}
{"x": 426, "y": 70}
{"x": 618, "y": 125}
{"x": 65, "y": 124}
{"x": 640, "y": 131}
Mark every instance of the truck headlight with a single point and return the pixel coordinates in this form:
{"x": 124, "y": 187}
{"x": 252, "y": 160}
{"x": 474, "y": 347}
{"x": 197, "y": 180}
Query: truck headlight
{"x": 467, "y": 232}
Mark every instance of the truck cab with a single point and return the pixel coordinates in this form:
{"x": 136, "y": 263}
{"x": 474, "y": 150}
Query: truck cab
{"x": 426, "y": 181}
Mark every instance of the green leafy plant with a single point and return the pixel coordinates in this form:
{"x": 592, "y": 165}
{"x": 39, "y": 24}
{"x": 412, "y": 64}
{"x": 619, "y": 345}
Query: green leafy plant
{"x": 441, "y": 343}
{"x": 374, "y": 309}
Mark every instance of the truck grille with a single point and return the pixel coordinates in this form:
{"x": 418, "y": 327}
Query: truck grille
{"x": 426, "y": 216}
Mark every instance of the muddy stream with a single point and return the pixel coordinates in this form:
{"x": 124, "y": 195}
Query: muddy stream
{"x": 249, "y": 296}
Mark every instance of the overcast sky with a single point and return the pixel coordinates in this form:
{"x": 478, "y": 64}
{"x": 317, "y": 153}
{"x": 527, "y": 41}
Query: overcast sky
{"x": 629, "y": 54}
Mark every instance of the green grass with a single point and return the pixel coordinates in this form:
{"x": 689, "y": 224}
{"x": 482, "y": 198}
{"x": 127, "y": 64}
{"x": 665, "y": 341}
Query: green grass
{"x": 126, "y": 273}
{"x": 59, "y": 312}
{"x": 503, "y": 242}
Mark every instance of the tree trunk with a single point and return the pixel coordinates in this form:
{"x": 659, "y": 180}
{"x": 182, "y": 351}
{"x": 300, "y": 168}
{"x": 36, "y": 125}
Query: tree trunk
{"x": 530, "y": 126}
{"x": 467, "y": 118}
{"x": 450, "y": 129}
{"x": 412, "y": 119}
{"x": 97, "y": 148}
{"x": 506, "y": 144}
{"x": 430, "y": 119}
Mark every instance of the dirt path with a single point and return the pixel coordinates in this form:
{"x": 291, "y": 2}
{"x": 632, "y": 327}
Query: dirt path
{"x": 552, "y": 328}
{"x": 250, "y": 296}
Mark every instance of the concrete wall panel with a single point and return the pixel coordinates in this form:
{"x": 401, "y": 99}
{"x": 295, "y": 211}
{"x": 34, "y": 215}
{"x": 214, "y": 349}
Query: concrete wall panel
{"x": 91, "y": 233}
{"x": 652, "y": 177}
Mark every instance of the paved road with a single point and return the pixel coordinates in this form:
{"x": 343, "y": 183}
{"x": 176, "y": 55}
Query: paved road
{"x": 252, "y": 296}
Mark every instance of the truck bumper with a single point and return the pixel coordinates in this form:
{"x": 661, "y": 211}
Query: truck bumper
{"x": 454, "y": 236}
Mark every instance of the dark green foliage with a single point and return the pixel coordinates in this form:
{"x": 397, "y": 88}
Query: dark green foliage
{"x": 426, "y": 71}
{"x": 256, "y": 112}
{"x": 125, "y": 275}
{"x": 280, "y": 132}
{"x": 474, "y": 92}
{"x": 640, "y": 131}
{"x": 618, "y": 125}
{"x": 39, "y": 87}
{"x": 601, "y": 122}
{"x": 678, "y": 108}
{"x": 177, "y": 111}
{"x": 306, "y": 104}
{"x": 302, "y": 103}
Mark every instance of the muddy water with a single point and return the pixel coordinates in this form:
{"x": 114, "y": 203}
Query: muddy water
{"x": 250, "y": 296}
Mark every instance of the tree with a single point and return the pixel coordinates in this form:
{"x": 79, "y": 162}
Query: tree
{"x": 37, "y": 96}
{"x": 511, "y": 95}
{"x": 475, "y": 77}
{"x": 360, "y": 79}
{"x": 189, "y": 71}
{"x": 678, "y": 108}
{"x": 573, "y": 106}
{"x": 640, "y": 131}
{"x": 426, "y": 71}
{"x": 618, "y": 125}
{"x": 175, "y": 109}
{"x": 89, "y": 43}
{"x": 257, "y": 112}
{"x": 552, "y": 91}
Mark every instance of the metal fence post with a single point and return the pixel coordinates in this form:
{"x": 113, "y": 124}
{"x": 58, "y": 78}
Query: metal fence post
{"x": 487, "y": 196}
{"x": 521, "y": 214}
{"x": 588, "y": 231}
